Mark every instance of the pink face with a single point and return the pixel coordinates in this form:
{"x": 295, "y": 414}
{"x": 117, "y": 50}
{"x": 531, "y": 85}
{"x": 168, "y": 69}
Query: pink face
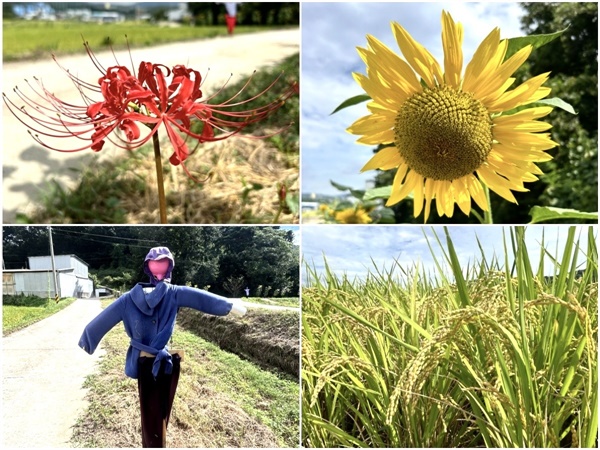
{"x": 159, "y": 268}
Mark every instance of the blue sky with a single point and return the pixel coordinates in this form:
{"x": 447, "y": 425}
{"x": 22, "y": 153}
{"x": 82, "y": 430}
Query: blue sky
{"x": 349, "y": 249}
{"x": 330, "y": 34}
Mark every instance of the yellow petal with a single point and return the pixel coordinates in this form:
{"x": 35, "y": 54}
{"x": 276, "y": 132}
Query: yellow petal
{"x": 499, "y": 185}
{"x": 397, "y": 69}
{"x": 379, "y": 92}
{"x": 428, "y": 197}
{"x": 484, "y": 53}
{"x": 496, "y": 84}
{"x": 524, "y": 115}
{"x": 476, "y": 191}
{"x": 385, "y": 159}
{"x": 452, "y": 39}
{"x": 461, "y": 195}
{"x": 400, "y": 191}
{"x": 418, "y": 57}
{"x": 512, "y": 171}
{"x": 522, "y": 154}
{"x": 444, "y": 197}
{"x": 381, "y": 137}
{"x": 540, "y": 141}
{"x": 528, "y": 92}
{"x": 417, "y": 192}
{"x": 370, "y": 124}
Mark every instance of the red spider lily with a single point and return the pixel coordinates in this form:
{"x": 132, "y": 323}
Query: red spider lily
{"x": 155, "y": 96}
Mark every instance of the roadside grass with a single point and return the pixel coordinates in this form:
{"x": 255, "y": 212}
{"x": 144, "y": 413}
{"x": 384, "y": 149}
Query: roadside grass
{"x": 244, "y": 175}
{"x": 25, "y": 40}
{"x": 20, "y": 311}
{"x": 487, "y": 357}
{"x": 221, "y": 401}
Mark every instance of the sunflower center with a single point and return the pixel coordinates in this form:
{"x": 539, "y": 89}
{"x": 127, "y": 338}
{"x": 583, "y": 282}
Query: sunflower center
{"x": 443, "y": 133}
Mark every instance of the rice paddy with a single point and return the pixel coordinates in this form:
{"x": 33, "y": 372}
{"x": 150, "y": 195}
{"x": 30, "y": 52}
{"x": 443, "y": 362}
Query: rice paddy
{"x": 496, "y": 354}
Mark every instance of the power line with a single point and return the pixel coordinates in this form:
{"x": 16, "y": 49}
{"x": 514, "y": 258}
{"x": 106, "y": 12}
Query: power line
{"x": 103, "y": 235}
{"x": 65, "y": 233}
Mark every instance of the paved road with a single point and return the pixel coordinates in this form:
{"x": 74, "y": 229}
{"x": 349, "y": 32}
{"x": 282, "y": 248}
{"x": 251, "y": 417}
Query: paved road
{"x": 27, "y": 166}
{"x": 43, "y": 370}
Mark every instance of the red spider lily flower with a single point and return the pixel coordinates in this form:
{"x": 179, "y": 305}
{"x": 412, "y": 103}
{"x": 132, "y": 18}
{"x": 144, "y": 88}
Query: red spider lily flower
{"x": 122, "y": 100}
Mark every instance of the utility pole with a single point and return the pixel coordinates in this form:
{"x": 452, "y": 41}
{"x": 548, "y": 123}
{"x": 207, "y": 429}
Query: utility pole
{"x": 56, "y": 288}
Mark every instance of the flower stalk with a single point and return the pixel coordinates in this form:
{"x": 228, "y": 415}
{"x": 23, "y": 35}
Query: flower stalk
{"x": 162, "y": 201}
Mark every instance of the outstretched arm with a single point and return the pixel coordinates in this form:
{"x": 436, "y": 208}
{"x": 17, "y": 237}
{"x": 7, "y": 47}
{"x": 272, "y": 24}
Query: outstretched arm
{"x": 100, "y": 325}
{"x": 207, "y": 302}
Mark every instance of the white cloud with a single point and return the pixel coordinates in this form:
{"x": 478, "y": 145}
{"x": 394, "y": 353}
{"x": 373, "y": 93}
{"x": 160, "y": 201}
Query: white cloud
{"x": 352, "y": 250}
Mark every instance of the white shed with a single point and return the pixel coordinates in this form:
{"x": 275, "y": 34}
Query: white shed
{"x": 72, "y": 277}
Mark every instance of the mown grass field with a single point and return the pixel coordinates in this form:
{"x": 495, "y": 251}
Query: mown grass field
{"x": 486, "y": 357}
{"x": 222, "y": 400}
{"x": 21, "y": 311}
{"x": 23, "y": 40}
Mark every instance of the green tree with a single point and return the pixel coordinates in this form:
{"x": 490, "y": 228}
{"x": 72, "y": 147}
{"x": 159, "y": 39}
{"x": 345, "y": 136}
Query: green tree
{"x": 262, "y": 255}
{"x": 18, "y": 243}
{"x": 234, "y": 285}
{"x": 571, "y": 179}
{"x": 205, "y": 13}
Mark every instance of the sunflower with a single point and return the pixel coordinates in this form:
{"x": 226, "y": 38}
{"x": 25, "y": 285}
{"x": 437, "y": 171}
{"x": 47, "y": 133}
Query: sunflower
{"x": 353, "y": 216}
{"x": 451, "y": 135}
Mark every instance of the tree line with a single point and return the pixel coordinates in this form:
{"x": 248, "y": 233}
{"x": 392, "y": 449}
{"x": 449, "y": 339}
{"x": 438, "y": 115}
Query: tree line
{"x": 248, "y": 13}
{"x": 224, "y": 260}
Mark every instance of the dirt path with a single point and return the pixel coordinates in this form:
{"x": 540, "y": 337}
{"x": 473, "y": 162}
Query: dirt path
{"x": 28, "y": 167}
{"x": 43, "y": 370}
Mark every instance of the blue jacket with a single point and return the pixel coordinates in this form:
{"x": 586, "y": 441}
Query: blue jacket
{"x": 149, "y": 319}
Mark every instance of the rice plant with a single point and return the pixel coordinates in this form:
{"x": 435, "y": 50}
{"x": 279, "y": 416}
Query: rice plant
{"x": 492, "y": 355}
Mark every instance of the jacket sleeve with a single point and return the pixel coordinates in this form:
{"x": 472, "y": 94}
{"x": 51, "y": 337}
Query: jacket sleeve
{"x": 102, "y": 324}
{"x": 201, "y": 300}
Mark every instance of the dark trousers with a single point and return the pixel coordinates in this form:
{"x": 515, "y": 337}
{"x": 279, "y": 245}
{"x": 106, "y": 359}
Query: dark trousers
{"x": 156, "y": 400}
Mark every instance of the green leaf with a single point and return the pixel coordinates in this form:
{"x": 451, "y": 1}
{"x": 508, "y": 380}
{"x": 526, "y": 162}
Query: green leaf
{"x": 383, "y": 215}
{"x": 535, "y": 40}
{"x": 340, "y": 187}
{"x": 558, "y": 103}
{"x": 542, "y": 213}
{"x": 380, "y": 192}
{"x": 357, "y": 193}
{"x": 352, "y": 101}
{"x": 293, "y": 203}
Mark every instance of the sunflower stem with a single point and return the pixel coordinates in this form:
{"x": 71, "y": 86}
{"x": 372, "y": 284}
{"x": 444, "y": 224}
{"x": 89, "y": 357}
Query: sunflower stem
{"x": 162, "y": 203}
{"x": 487, "y": 215}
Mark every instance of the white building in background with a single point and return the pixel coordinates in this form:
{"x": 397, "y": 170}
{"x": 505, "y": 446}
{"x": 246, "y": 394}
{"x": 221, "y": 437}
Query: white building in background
{"x": 71, "y": 274}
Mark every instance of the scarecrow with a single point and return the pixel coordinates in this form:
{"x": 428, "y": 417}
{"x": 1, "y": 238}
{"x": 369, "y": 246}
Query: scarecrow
{"x": 148, "y": 312}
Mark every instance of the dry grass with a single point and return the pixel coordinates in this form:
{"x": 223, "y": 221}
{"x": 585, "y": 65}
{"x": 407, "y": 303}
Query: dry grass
{"x": 243, "y": 178}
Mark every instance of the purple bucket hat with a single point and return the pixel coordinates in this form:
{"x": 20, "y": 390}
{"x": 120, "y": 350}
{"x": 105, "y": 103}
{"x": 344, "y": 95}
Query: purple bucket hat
{"x": 156, "y": 254}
